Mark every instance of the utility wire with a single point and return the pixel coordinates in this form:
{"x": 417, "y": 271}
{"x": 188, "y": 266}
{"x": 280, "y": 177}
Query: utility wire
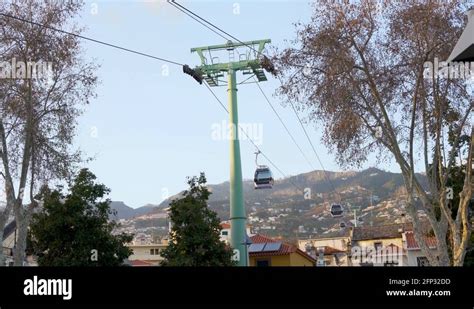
{"x": 252, "y": 142}
{"x": 89, "y": 39}
{"x": 284, "y": 125}
{"x": 312, "y": 146}
{"x": 217, "y": 98}
{"x": 202, "y": 21}
{"x": 189, "y": 12}
{"x": 177, "y": 6}
{"x": 152, "y": 57}
{"x": 306, "y": 134}
{"x": 199, "y": 19}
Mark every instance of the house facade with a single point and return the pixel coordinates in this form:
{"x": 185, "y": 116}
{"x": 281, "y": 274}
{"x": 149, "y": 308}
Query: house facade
{"x": 386, "y": 245}
{"x": 378, "y": 246}
{"x": 328, "y": 251}
{"x": 226, "y": 232}
{"x": 265, "y": 251}
{"x": 414, "y": 255}
{"x": 146, "y": 254}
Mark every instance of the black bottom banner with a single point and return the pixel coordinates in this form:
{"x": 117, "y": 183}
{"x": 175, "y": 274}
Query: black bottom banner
{"x": 389, "y": 286}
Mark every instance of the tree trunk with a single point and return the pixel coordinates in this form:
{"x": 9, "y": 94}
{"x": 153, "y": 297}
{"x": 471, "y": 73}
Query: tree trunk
{"x": 3, "y": 221}
{"x": 20, "y": 248}
{"x": 2, "y": 226}
{"x": 463, "y": 226}
{"x": 23, "y": 217}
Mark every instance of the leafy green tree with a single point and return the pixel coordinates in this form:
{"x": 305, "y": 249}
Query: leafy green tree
{"x": 74, "y": 229}
{"x": 195, "y": 234}
{"x": 40, "y": 104}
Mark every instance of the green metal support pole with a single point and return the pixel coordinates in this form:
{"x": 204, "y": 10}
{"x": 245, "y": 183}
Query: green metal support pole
{"x": 237, "y": 207}
{"x": 210, "y": 72}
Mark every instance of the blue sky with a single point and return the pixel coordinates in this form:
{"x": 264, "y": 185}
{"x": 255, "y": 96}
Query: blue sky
{"x": 147, "y": 130}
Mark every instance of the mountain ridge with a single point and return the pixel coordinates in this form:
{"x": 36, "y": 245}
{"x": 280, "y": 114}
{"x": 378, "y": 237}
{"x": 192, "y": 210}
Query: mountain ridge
{"x": 123, "y": 211}
{"x": 327, "y": 184}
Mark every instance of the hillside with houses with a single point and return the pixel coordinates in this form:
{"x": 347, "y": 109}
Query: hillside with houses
{"x": 377, "y": 197}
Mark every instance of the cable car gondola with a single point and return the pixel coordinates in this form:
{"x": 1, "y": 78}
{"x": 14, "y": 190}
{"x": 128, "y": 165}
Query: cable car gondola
{"x": 263, "y": 178}
{"x": 336, "y": 210}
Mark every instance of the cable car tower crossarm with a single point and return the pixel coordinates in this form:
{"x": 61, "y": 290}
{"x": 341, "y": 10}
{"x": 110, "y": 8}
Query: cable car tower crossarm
{"x": 211, "y": 72}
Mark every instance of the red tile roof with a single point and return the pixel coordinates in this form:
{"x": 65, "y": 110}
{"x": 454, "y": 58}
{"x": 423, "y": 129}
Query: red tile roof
{"x": 260, "y": 239}
{"x": 285, "y": 248}
{"x": 331, "y": 250}
{"x": 380, "y": 232}
{"x": 140, "y": 263}
{"x": 225, "y": 225}
{"x": 413, "y": 245}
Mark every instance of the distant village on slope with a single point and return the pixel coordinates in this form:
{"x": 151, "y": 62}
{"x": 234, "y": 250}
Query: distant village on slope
{"x": 287, "y": 230}
{"x": 304, "y": 230}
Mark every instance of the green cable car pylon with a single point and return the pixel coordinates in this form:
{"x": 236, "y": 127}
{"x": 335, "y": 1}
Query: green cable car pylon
{"x": 210, "y": 70}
